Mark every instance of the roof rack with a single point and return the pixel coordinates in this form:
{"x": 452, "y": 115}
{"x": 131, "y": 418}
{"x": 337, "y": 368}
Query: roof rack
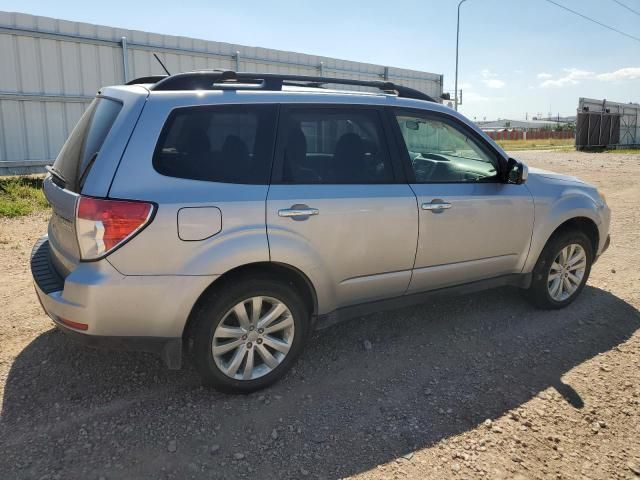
{"x": 230, "y": 80}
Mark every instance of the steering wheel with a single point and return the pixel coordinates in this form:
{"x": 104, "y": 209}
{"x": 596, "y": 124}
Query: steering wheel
{"x": 423, "y": 168}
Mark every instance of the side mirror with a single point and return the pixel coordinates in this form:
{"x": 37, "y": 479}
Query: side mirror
{"x": 517, "y": 172}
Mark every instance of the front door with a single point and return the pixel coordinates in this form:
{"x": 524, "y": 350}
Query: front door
{"x": 472, "y": 225}
{"x": 337, "y": 209}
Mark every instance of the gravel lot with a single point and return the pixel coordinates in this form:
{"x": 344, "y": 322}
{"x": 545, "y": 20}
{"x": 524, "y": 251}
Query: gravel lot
{"x": 481, "y": 386}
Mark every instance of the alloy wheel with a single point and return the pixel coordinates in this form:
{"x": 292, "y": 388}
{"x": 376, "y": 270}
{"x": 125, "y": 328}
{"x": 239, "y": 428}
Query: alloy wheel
{"x": 566, "y": 272}
{"x": 253, "y": 338}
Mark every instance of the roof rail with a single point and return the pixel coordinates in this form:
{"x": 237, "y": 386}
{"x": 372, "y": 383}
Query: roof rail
{"x": 230, "y": 80}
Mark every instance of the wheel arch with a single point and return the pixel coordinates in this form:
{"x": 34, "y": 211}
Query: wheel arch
{"x": 580, "y": 223}
{"x": 538, "y": 292}
{"x": 289, "y": 273}
{"x": 583, "y": 224}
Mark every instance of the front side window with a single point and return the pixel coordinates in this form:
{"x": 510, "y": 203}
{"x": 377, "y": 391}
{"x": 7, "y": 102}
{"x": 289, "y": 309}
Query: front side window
{"x": 333, "y": 146}
{"x": 442, "y": 153}
{"x": 228, "y": 144}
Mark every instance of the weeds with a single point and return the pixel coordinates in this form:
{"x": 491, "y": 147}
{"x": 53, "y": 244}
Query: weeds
{"x": 21, "y": 196}
{"x": 540, "y": 144}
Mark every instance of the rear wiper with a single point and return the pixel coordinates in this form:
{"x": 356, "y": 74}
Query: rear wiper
{"x": 86, "y": 169}
{"x": 55, "y": 173}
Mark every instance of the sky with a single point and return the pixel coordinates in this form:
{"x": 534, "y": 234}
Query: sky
{"x": 518, "y": 58}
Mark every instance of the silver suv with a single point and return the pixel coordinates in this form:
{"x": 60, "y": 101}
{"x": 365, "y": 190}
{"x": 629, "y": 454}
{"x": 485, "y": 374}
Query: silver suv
{"x": 230, "y": 214}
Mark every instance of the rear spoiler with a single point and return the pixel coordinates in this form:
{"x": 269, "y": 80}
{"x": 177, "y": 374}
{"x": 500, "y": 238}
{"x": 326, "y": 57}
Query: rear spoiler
{"x": 149, "y": 79}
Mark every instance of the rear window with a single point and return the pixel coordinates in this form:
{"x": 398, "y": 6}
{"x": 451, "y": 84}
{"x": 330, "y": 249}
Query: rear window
{"x": 334, "y": 145}
{"x": 83, "y": 145}
{"x": 226, "y": 143}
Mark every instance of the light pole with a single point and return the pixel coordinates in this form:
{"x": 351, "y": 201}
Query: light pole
{"x": 457, "y": 42}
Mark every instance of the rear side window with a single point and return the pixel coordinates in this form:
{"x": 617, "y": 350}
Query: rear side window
{"x": 333, "y": 146}
{"x": 83, "y": 145}
{"x": 227, "y": 143}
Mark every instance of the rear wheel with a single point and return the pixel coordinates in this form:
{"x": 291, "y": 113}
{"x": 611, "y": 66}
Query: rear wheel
{"x": 247, "y": 335}
{"x": 561, "y": 271}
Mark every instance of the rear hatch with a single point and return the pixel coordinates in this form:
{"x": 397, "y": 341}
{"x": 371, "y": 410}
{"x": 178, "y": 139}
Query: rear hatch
{"x": 86, "y": 165}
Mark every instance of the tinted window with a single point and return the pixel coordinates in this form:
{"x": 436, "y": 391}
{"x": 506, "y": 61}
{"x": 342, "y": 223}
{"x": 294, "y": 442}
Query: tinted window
{"x": 81, "y": 148}
{"x": 334, "y": 145}
{"x": 443, "y": 153}
{"x": 229, "y": 144}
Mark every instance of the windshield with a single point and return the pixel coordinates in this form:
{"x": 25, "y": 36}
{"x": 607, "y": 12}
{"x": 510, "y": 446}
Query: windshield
{"x": 83, "y": 145}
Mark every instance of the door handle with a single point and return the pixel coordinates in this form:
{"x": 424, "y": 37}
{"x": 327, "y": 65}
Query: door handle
{"x": 436, "y": 205}
{"x": 298, "y": 212}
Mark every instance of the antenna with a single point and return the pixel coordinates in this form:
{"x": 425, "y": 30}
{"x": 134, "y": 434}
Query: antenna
{"x": 161, "y": 64}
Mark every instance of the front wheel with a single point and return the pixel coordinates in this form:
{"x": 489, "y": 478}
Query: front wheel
{"x": 249, "y": 334}
{"x": 561, "y": 271}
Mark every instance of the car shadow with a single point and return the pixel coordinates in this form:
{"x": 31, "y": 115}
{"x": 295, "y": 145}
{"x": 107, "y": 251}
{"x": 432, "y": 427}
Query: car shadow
{"x": 425, "y": 373}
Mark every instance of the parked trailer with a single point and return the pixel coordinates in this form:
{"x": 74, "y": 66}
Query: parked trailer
{"x": 53, "y": 68}
{"x": 605, "y": 124}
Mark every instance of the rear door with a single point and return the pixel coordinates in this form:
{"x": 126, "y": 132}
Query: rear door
{"x": 87, "y": 164}
{"x": 206, "y": 165}
{"x": 338, "y": 208}
{"x": 473, "y": 226}
{"x": 79, "y": 154}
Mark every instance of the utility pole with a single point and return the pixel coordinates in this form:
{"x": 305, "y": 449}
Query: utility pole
{"x": 457, "y": 43}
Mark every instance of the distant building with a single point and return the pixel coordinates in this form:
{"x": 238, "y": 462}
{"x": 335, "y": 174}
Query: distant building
{"x": 567, "y": 119}
{"x": 520, "y": 125}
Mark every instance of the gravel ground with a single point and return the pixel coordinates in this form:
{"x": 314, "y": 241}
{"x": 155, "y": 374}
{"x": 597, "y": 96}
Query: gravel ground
{"x": 480, "y": 386}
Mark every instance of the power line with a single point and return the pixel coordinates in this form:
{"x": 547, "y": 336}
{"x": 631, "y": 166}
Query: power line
{"x": 637, "y": 39}
{"x": 627, "y": 7}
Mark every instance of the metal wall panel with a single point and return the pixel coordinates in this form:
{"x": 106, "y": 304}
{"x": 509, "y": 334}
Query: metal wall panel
{"x": 52, "y": 69}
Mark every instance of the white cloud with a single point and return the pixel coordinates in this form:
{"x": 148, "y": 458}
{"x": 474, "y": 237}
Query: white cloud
{"x": 572, "y": 76}
{"x": 470, "y": 94}
{"x": 577, "y": 73}
{"x": 629, "y": 73}
{"x": 490, "y": 80}
{"x": 560, "y": 82}
{"x": 494, "y": 83}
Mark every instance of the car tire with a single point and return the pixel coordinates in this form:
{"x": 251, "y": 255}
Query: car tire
{"x": 218, "y": 327}
{"x": 545, "y": 292}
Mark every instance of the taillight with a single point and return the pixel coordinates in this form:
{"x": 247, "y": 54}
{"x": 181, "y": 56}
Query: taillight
{"x": 103, "y": 225}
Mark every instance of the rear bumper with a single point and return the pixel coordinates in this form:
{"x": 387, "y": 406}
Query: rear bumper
{"x": 169, "y": 349}
{"x": 143, "y": 313}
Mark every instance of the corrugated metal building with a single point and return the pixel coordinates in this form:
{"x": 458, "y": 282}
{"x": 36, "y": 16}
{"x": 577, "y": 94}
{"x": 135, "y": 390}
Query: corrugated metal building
{"x": 51, "y": 69}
